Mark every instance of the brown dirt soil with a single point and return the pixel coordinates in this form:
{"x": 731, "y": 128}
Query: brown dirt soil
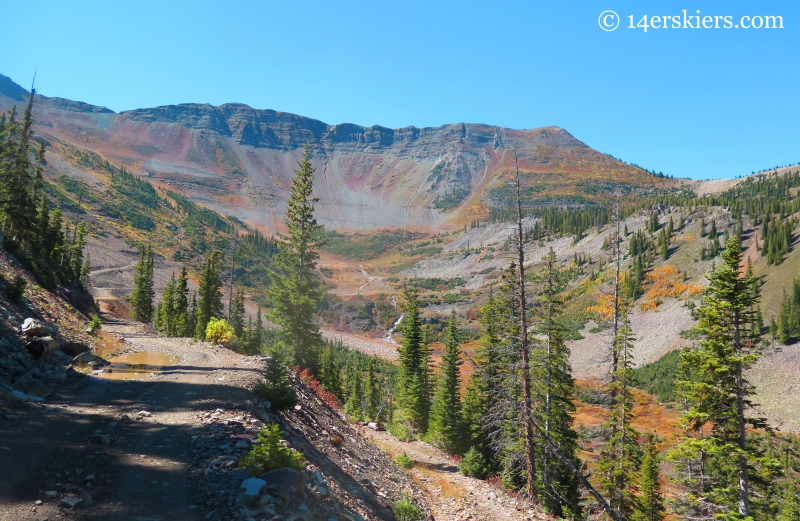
{"x": 162, "y": 457}
{"x": 451, "y": 495}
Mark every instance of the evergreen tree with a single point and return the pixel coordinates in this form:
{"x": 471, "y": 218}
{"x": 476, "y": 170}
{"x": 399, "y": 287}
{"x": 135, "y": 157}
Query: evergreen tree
{"x": 209, "y": 303}
{"x": 354, "y": 406}
{"x": 651, "y": 500}
{"x": 296, "y": 291}
{"x": 76, "y": 260}
{"x": 181, "y": 299}
{"x": 506, "y": 424}
{"x": 620, "y": 457}
{"x": 141, "y": 300}
{"x": 790, "y": 508}
{"x": 719, "y": 395}
{"x": 414, "y": 356}
{"x": 258, "y": 333}
{"x": 477, "y": 399}
{"x": 19, "y": 180}
{"x": 237, "y": 313}
{"x": 275, "y": 386}
{"x": 329, "y": 373}
{"x": 372, "y": 391}
{"x": 191, "y": 316}
{"x": 555, "y": 392}
{"x": 653, "y": 223}
{"x": 444, "y": 429}
{"x": 165, "y": 316}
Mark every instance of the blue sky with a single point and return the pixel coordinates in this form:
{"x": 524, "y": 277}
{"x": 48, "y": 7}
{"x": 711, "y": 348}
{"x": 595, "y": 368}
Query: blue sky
{"x": 699, "y": 103}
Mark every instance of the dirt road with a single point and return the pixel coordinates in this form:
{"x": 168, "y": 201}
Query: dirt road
{"x": 122, "y": 445}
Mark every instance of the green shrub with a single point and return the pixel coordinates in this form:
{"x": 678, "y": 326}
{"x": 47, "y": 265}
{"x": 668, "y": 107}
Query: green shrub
{"x": 404, "y": 461}
{"x": 473, "y": 465}
{"x": 220, "y": 332}
{"x": 16, "y": 289}
{"x": 405, "y": 510}
{"x": 268, "y": 453}
{"x": 402, "y": 431}
{"x": 275, "y": 387}
{"x": 94, "y": 323}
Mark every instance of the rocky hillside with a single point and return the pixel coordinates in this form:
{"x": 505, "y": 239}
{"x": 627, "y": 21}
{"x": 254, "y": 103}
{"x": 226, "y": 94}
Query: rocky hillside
{"x": 240, "y": 160}
{"x": 40, "y": 335}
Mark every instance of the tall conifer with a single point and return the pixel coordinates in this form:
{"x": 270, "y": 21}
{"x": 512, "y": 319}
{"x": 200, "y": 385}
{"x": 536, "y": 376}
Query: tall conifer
{"x": 444, "y": 426}
{"x": 295, "y": 290}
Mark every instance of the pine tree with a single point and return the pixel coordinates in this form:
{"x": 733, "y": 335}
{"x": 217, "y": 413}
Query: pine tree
{"x": 413, "y": 391}
{"x": 181, "y": 299}
{"x": 555, "y": 392}
{"x": 620, "y": 457}
{"x": 191, "y": 315}
{"x": 506, "y": 425}
{"x": 237, "y": 313}
{"x": 19, "y": 180}
{"x": 329, "y": 373}
{"x": 141, "y": 300}
{"x": 209, "y": 303}
{"x": 444, "y": 430}
{"x": 477, "y": 399}
{"x": 653, "y": 224}
{"x": 651, "y": 500}
{"x": 354, "y": 406}
{"x": 258, "y": 333}
{"x": 165, "y": 317}
{"x": 275, "y": 386}
{"x": 719, "y": 395}
{"x": 372, "y": 395}
{"x": 790, "y": 508}
{"x": 296, "y": 290}
{"x": 76, "y": 260}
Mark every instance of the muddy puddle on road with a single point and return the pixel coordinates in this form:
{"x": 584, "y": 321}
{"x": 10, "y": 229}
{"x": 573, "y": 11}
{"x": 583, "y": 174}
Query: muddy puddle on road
{"x": 138, "y": 365}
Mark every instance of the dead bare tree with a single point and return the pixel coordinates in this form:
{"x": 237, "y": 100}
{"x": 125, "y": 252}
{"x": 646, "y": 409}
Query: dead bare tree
{"x": 530, "y": 462}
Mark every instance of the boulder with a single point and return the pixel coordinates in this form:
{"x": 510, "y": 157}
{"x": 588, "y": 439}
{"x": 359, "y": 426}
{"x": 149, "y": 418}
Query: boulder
{"x": 284, "y": 482}
{"x": 40, "y": 328}
{"x": 71, "y": 502}
{"x": 240, "y": 475}
{"x": 42, "y": 346}
{"x": 250, "y": 490}
{"x": 74, "y": 348}
{"x": 375, "y": 426}
{"x": 88, "y": 501}
{"x": 59, "y": 357}
{"x": 87, "y": 358}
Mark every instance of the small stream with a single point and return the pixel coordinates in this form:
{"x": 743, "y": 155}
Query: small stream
{"x": 389, "y": 334}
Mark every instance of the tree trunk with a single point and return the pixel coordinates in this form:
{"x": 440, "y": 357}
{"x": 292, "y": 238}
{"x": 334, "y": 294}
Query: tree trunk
{"x": 530, "y": 463}
{"x": 744, "y": 482}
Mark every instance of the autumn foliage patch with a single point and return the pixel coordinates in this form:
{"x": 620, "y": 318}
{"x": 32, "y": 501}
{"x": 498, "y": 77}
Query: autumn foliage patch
{"x": 327, "y": 397}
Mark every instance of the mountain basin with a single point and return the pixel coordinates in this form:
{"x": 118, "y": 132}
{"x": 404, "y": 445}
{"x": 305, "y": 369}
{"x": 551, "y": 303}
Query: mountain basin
{"x": 138, "y": 365}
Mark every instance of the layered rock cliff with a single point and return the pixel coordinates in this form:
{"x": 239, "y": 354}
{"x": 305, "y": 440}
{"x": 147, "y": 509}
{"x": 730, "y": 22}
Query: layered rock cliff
{"x": 240, "y": 160}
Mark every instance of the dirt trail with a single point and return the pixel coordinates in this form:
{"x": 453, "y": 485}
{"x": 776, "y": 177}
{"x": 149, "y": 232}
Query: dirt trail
{"x": 141, "y": 469}
{"x": 451, "y": 495}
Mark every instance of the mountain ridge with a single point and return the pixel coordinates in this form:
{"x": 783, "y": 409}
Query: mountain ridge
{"x": 240, "y": 160}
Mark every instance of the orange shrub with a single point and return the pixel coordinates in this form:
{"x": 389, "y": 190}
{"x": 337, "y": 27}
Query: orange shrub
{"x": 604, "y": 309}
{"x": 664, "y": 282}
